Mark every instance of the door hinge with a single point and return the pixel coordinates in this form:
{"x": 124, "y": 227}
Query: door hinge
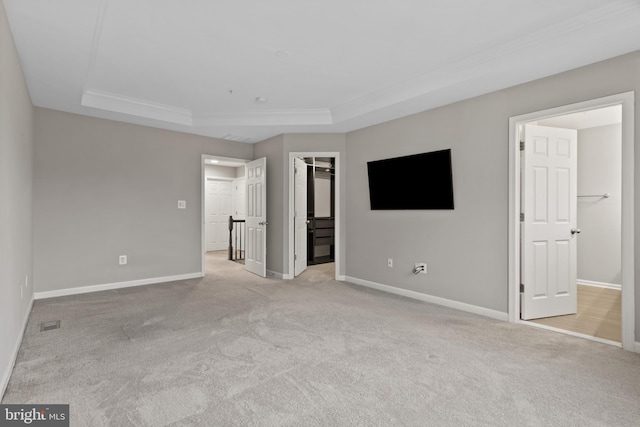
{"x": 522, "y": 217}
{"x": 295, "y": 257}
{"x": 521, "y": 287}
{"x": 521, "y": 145}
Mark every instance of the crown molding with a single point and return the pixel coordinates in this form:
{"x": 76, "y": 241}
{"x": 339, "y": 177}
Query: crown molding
{"x": 319, "y": 116}
{"x": 479, "y": 70}
{"x": 136, "y": 107}
{"x": 167, "y": 113}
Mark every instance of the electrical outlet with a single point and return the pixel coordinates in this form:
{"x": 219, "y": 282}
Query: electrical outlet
{"x": 390, "y": 262}
{"x": 182, "y": 204}
{"x": 421, "y": 267}
{"x": 122, "y": 260}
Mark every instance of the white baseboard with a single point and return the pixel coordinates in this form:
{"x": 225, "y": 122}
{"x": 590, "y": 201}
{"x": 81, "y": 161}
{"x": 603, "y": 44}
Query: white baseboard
{"x": 276, "y": 275}
{"x": 498, "y": 315}
{"x": 341, "y": 278}
{"x": 637, "y": 349}
{"x": 111, "y": 286}
{"x": 6, "y": 375}
{"x": 600, "y": 284}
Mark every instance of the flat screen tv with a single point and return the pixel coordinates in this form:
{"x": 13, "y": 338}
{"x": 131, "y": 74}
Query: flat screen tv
{"x": 419, "y": 181}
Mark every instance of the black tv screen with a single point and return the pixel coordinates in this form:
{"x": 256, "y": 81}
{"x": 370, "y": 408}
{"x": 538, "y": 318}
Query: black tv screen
{"x": 419, "y": 181}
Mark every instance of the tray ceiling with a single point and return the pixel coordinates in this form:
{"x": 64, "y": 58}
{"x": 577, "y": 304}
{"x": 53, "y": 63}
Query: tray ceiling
{"x": 247, "y": 70}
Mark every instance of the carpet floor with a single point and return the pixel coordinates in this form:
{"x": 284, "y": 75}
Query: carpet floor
{"x": 234, "y": 349}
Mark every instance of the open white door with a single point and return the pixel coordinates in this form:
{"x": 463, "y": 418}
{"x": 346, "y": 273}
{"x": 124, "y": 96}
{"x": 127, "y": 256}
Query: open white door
{"x": 256, "y": 222}
{"x": 549, "y": 228}
{"x": 300, "y": 216}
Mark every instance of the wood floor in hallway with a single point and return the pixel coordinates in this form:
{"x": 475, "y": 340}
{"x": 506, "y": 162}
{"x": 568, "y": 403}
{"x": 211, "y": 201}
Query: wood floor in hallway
{"x": 599, "y": 314}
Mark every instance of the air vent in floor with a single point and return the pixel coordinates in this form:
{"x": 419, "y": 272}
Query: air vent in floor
{"x": 50, "y": 325}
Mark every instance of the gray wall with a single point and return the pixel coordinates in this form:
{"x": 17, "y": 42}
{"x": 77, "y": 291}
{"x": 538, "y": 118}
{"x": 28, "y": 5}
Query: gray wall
{"x": 466, "y": 249}
{"x": 332, "y": 142}
{"x": 16, "y": 180}
{"x": 277, "y": 150}
{"x": 105, "y": 188}
{"x": 219, "y": 171}
{"x": 599, "y": 172}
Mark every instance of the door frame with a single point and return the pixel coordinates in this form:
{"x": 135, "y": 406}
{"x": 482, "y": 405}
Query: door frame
{"x": 203, "y": 189}
{"x": 626, "y": 100}
{"x": 289, "y": 255}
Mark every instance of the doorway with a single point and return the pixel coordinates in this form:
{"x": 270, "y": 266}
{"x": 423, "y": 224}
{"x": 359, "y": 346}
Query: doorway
{"x": 314, "y": 215}
{"x": 560, "y": 117}
{"x": 217, "y": 208}
{"x": 320, "y": 210}
{"x": 223, "y": 183}
{"x": 592, "y": 301}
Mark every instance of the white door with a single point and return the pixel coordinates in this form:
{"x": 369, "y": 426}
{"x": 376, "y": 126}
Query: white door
{"x": 217, "y": 211}
{"x": 239, "y": 198}
{"x": 549, "y": 228}
{"x": 256, "y": 220}
{"x": 300, "y": 216}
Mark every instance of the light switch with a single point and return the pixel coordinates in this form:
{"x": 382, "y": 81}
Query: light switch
{"x": 182, "y": 204}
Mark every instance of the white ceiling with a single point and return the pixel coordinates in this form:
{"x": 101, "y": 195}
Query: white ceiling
{"x": 323, "y": 66}
{"x": 586, "y": 119}
{"x": 222, "y": 161}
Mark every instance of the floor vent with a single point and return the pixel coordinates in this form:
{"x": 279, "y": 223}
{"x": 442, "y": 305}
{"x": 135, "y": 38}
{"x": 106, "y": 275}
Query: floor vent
{"x": 50, "y": 325}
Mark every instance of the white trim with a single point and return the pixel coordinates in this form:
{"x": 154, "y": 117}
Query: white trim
{"x": 117, "y": 285}
{"x": 310, "y": 116}
{"x": 615, "y": 286}
{"x": 626, "y": 100}
{"x": 275, "y": 274}
{"x": 628, "y": 222}
{"x": 219, "y": 178}
{"x": 341, "y": 278}
{"x": 498, "y": 315}
{"x": 6, "y": 375}
{"x": 637, "y": 347}
{"x": 95, "y": 43}
{"x": 136, "y": 107}
{"x": 229, "y": 162}
{"x": 573, "y": 334}
{"x": 139, "y": 107}
{"x": 291, "y": 226}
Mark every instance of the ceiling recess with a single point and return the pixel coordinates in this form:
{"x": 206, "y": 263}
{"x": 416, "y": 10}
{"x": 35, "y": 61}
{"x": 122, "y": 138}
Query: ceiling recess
{"x": 109, "y": 58}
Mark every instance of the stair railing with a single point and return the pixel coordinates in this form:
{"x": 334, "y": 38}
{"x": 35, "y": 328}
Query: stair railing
{"x": 236, "y": 239}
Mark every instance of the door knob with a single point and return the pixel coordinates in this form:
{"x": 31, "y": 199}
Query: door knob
{"x": 263, "y": 223}
{"x": 308, "y": 222}
{"x": 575, "y": 231}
